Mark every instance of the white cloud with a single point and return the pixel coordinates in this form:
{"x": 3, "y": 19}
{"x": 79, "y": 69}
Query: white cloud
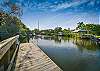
{"x": 67, "y": 5}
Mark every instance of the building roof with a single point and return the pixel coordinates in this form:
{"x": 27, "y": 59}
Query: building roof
{"x": 79, "y": 30}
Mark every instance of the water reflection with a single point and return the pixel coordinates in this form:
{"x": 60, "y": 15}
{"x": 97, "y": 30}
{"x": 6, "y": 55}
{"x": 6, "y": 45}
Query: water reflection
{"x": 72, "y": 54}
{"x": 88, "y": 44}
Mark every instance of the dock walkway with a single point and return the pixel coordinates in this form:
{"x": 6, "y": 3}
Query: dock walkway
{"x": 32, "y": 58}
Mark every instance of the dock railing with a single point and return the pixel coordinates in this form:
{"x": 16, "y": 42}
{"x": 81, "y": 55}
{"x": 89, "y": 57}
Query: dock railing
{"x": 8, "y": 53}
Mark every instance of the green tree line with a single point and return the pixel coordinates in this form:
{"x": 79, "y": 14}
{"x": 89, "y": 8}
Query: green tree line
{"x": 53, "y": 32}
{"x": 91, "y": 28}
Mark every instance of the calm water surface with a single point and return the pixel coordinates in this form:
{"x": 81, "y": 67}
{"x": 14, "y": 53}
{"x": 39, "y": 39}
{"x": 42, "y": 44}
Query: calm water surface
{"x": 72, "y": 54}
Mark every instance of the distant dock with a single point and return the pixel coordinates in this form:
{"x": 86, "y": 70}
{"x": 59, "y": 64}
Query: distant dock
{"x": 32, "y": 58}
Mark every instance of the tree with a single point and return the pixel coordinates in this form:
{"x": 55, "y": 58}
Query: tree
{"x": 10, "y": 26}
{"x": 57, "y": 30}
{"x": 81, "y": 26}
{"x": 10, "y": 7}
{"x": 36, "y": 31}
{"x": 91, "y": 28}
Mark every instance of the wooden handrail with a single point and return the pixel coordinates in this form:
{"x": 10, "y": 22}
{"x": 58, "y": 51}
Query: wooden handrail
{"x": 6, "y": 44}
{"x": 8, "y": 60}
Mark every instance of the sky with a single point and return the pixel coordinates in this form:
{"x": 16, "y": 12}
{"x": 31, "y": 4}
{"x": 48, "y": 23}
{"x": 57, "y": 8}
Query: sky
{"x": 61, "y": 13}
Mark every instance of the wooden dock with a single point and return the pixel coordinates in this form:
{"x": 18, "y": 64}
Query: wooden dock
{"x": 32, "y": 58}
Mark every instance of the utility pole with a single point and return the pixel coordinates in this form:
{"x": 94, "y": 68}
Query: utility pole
{"x": 38, "y": 25}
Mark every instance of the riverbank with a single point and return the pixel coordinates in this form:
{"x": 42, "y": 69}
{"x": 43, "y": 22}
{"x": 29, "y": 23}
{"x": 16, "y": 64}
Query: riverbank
{"x": 32, "y": 58}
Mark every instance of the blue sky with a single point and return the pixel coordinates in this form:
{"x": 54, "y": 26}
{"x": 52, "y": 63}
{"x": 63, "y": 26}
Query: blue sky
{"x": 63, "y": 13}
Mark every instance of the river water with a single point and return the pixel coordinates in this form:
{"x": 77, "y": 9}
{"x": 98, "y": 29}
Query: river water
{"x": 72, "y": 54}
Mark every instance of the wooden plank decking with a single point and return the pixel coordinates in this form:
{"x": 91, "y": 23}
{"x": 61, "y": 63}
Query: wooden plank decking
{"x": 32, "y": 58}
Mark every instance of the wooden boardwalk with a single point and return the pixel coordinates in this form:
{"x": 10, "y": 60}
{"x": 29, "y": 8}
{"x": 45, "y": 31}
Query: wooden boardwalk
{"x": 32, "y": 58}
